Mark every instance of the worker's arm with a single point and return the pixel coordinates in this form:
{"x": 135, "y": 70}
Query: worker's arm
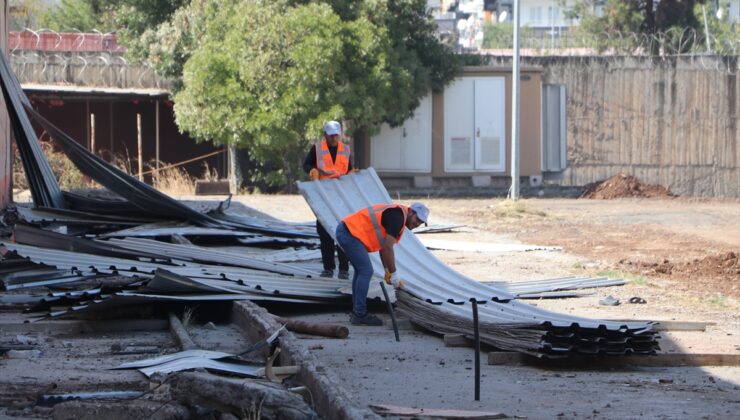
{"x": 387, "y": 255}
{"x": 310, "y": 161}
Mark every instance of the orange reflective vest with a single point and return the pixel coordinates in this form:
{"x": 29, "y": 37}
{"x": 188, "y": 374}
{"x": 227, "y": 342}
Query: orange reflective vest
{"x": 366, "y": 226}
{"x": 327, "y": 167}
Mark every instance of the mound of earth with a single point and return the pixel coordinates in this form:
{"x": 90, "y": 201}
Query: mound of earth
{"x": 714, "y": 273}
{"x": 623, "y": 185}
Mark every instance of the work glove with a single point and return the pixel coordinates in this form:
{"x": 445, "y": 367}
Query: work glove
{"x": 392, "y": 279}
{"x": 314, "y": 174}
{"x": 354, "y": 170}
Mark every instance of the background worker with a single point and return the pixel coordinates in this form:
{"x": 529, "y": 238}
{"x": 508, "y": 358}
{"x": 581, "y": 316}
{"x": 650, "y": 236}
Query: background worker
{"x": 329, "y": 159}
{"x": 369, "y": 230}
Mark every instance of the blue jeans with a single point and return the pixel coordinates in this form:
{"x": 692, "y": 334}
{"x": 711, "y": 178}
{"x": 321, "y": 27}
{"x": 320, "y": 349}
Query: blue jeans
{"x": 360, "y": 259}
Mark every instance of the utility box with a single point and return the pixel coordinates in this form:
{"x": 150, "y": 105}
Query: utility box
{"x": 461, "y": 136}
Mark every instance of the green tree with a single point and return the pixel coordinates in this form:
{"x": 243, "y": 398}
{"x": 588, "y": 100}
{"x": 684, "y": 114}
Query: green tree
{"x": 147, "y": 27}
{"x": 723, "y": 33}
{"x": 264, "y": 75}
{"x": 625, "y": 25}
{"x": 24, "y": 14}
{"x": 82, "y": 15}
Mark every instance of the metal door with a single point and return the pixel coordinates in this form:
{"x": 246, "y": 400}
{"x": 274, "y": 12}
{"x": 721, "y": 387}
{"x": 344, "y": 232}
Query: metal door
{"x": 490, "y": 123}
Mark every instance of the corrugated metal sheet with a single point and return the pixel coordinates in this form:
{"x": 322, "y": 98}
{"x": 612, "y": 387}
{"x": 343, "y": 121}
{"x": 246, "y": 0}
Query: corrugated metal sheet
{"x": 236, "y": 280}
{"x": 448, "y": 293}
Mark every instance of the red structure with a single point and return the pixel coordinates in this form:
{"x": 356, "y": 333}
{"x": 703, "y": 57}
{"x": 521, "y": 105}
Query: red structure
{"x": 44, "y": 40}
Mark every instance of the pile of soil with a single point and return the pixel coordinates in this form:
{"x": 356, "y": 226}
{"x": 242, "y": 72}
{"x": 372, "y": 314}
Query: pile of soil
{"x": 715, "y": 273}
{"x": 623, "y": 185}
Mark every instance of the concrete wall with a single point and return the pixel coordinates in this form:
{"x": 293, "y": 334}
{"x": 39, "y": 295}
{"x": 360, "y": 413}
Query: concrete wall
{"x": 6, "y": 157}
{"x": 672, "y": 121}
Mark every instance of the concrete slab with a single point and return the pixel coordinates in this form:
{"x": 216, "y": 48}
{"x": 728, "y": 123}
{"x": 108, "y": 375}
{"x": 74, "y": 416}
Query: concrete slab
{"x": 419, "y": 371}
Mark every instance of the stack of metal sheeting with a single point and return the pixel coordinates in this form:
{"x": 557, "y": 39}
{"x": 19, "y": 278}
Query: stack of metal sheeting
{"x": 440, "y": 298}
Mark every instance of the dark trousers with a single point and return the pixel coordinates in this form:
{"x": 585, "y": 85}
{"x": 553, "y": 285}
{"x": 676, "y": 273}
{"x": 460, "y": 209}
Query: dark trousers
{"x": 327, "y": 250}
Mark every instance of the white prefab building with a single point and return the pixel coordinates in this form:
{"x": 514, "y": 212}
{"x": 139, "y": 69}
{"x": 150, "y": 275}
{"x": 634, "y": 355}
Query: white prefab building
{"x": 462, "y": 135}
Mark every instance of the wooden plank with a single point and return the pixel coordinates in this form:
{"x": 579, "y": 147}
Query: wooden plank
{"x": 433, "y": 413}
{"x": 456, "y": 340}
{"x": 673, "y": 325}
{"x": 658, "y": 360}
{"x": 212, "y": 187}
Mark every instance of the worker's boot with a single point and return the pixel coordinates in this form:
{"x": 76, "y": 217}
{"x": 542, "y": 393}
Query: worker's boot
{"x": 367, "y": 319}
{"x": 327, "y": 273}
{"x": 343, "y": 274}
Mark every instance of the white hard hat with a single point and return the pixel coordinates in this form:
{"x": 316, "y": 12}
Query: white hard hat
{"x": 422, "y": 212}
{"x": 332, "y": 127}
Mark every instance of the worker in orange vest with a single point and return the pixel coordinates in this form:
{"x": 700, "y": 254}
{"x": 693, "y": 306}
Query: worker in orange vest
{"x": 376, "y": 228}
{"x": 329, "y": 159}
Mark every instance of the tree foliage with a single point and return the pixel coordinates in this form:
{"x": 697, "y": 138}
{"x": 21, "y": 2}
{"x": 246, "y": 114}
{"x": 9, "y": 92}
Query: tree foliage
{"x": 501, "y": 35}
{"x": 724, "y": 35}
{"x": 68, "y": 15}
{"x": 620, "y": 21}
{"x": 265, "y": 74}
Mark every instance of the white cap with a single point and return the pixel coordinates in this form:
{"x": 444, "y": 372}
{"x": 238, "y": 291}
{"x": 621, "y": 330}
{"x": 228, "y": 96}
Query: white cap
{"x": 332, "y": 127}
{"x": 422, "y": 212}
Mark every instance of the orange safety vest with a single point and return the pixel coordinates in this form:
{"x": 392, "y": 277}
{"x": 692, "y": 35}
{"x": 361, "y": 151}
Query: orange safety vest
{"x": 328, "y": 168}
{"x": 366, "y": 226}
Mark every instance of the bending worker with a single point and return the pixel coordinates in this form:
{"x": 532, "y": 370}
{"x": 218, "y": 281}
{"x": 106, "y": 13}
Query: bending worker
{"x": 329, "y": 159}
{"x": 369, "y": 230}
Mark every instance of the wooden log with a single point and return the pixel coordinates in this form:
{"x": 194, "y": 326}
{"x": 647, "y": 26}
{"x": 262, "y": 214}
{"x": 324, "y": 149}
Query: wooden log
{"x": 181, "y": 336}
{"x": 313, "y": 328}
{"x": 242, "y": 398}
{"x": 279, "y": 370}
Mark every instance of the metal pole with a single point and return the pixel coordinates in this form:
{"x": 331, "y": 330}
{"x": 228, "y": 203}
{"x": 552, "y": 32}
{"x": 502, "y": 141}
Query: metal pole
{"x": 514, "y": 191}
{"x": 138, "y": 143}
{"x": 552, "y": 25}
{"x": 390, "y": 310}
{"x": 92, "y": 133}
{"x": 156, "y": 139}
{"x": 87, "y": 123}
{"x": 110, "y": 116}
{"x": 706, "y": 29}
{"x": 477, "y": 348}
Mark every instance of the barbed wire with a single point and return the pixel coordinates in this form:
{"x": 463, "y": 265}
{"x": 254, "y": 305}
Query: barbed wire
{"x": 617, "y": 48}
{"x": 97, "y": 69}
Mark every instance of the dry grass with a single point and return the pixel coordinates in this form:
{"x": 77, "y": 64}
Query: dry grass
{"x": 515, "y": 209}
{"x": 174, "y": 181}
{"x": 68, "y": 176}
{"x": 188, "y": 317}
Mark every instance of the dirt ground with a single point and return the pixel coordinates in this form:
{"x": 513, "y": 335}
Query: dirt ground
{"x": 630, "y": 238}
{"x": 678, "y": 254}
{"x": 618, "y": 238}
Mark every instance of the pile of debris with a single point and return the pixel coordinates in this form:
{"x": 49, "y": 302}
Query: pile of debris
{"x": 137, "y": 246}
{"x": 623, "y": 185}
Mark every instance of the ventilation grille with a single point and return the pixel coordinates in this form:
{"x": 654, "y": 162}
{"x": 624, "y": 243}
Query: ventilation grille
{"x": 461, "y": 151}
{"x": 490, "y": 149}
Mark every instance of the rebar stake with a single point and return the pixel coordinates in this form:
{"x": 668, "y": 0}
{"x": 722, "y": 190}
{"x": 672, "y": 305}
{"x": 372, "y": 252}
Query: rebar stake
{"x": 390, "y": 310}
{"x": 477, "y": 348}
